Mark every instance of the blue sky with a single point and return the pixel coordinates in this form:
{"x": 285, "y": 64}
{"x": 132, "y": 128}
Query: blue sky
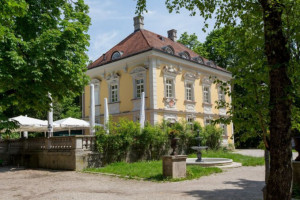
{"x": 112, "y": 21}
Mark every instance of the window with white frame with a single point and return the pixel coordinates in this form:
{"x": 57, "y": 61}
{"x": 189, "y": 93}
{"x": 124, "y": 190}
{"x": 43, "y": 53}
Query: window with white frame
{"x": 224, "y": 128}
{"x": 169, "y": 88}
{"x": 221, "y": 95}
{"x": 189, "y": 91}
{"x": 190, "y": 120}
{"x": 206, "y": 94}
{"x": 139, "y": 87}
{"x": 114, "y": 93}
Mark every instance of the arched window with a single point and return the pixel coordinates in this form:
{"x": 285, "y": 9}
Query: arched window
{"x": 168, "y": 49}
{"x": 116, "y": 55}
{"x": 198, "y": 59}
{"x": 185, "y": 55}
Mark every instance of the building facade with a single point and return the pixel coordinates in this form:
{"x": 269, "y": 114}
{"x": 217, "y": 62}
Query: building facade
{"x": 178, "y": 83}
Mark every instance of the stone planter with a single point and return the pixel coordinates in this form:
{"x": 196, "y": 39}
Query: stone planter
{"x": 174, "y": 166}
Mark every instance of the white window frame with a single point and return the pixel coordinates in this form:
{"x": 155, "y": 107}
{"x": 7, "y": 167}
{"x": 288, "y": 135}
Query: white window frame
{"x": 138, "y": 73}
{"x": 114, "y": 93}
{"x": 169, "y": 86}
{"x": 113, "y": 80}
{"x": 191, "y": 91}
{"x": 206, "y": 95}
{"x": 221, "y": 94}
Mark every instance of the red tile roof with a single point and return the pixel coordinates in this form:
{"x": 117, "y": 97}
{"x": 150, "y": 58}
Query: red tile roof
{"x": 144, "y": 40}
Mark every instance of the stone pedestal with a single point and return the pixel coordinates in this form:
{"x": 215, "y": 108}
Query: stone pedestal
{"x": 296, "y": 172}
{"x": 174, "y": 166}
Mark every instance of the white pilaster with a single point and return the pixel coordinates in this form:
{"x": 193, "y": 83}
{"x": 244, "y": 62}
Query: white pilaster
{"x": 92, "y": 109}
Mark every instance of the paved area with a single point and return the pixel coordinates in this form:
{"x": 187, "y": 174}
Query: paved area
{"x": 256, "y": 152}
{"x": 238, "y": 183}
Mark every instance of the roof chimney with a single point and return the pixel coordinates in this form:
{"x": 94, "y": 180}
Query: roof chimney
{"x": 172, "y": 34}
{"x": 138, "y": 23}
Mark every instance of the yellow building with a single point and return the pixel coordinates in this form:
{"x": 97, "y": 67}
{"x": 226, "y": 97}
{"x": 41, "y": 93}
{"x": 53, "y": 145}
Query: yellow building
{"x": 176, "y": 81}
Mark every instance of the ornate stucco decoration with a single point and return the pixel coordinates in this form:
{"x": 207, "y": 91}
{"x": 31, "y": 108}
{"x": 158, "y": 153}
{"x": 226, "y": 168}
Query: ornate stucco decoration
{"x": 191, "y": 76}
{"x": 138, "y": 72}
{"x": 113, "y": 78}
{"x": 171, "y": 70}
{"x": 170, "y": 103}
{"x": 206, "y": 81}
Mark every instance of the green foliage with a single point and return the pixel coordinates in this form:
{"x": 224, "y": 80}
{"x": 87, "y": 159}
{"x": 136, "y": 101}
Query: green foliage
{"x": 151, "y": 170}
{"x": 296, "y": 192}
{"x": 127, "y": 142}
{"x": 10, "y": 135}
{"x": 191, "y": 42}
{"x": 212, "y": 137}
{"x": 42, "y": 49}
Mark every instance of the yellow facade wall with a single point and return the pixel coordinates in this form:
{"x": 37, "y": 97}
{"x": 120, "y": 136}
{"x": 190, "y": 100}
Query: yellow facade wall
{"x": 126, "y": 96}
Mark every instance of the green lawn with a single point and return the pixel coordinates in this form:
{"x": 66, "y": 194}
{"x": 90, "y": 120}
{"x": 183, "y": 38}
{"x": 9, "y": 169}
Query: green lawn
{"x": 245, "y": 160}
{"x": 151, "y": 170}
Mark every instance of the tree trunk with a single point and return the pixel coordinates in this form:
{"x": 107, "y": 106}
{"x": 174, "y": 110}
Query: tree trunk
{"x": 276, "y": 50}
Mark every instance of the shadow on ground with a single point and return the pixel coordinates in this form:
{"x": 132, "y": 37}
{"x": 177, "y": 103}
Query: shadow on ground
{"x": 245, "y": 190}
{"x": 16, "y": 168}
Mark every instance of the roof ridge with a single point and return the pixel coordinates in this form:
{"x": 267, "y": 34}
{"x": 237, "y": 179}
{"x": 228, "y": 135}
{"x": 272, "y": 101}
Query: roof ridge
{"x": 145, "y": 38}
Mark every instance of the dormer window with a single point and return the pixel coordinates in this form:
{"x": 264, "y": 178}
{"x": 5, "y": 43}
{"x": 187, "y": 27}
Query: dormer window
{"x": 168, "y": 49}
{"x": 116, "y": 55}
{"x": 198, "y": 59}
{"x": 211, "y": 63}
{"x": 185, "y": 55}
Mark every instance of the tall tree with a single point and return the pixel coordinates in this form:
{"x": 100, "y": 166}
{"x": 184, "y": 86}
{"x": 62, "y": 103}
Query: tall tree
{"x": 42, "y": 50}
{"x": 271, "y": 14}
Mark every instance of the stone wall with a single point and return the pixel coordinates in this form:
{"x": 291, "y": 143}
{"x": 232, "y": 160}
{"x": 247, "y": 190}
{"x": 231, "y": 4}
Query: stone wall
{"x": 64, "y": 153}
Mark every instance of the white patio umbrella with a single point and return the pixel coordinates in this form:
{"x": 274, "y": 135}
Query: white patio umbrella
{"x": 142, "y": 111}
{"x": 71, "y": 124}
{"x": 106, "y": 116}
{"x": 30, "y": 124}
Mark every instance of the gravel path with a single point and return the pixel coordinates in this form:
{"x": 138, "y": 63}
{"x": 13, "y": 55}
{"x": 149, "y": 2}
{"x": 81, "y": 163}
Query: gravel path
{"x": 238, "y": 183}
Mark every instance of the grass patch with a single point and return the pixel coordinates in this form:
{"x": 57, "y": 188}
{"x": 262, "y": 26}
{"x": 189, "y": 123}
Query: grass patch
{"x": 245, "y": 160}
{"x": 150, "y": 170}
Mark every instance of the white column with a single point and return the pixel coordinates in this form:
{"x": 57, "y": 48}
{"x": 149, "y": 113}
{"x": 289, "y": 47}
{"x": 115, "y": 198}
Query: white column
{"x": 92, "y": 110}
{"x": 142, "y": 111}
{"x": 106, "y": 116}
{"x": 50, "y": 118}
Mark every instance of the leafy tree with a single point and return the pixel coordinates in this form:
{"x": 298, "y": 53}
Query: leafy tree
{"x": 42, "y": 50}
{"x": 272, "y": 15}
{"x": 191, "y": 42}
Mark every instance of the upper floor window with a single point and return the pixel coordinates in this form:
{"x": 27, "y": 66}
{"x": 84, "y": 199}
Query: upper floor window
{"x": 198, "y": 59}
{"x": 116, "y": 55}
{"x": 221, "y": 95}
{"x": 114, "y": 93}
{"x": 139, "y": 84}
{"x": 185, "y": 55}
{"x": 189, "y": 92}
{"x": 206, "y": 94}
{"x": 169, "y": 88}
{"x": 168, "y": 49}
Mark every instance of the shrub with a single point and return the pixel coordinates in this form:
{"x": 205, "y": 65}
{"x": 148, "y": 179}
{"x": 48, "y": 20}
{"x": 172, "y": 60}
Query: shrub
{"x": 212, "y": 137}
{"x": 126, "y": 142}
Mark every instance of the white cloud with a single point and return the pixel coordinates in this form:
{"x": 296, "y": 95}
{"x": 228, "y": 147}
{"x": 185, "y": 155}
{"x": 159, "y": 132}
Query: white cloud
{"x": 102, "y": 43}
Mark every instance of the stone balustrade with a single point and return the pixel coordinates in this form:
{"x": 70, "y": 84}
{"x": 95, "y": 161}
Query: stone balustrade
{"x": 80, "y": 142}
{"x": 66, "y": 152}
